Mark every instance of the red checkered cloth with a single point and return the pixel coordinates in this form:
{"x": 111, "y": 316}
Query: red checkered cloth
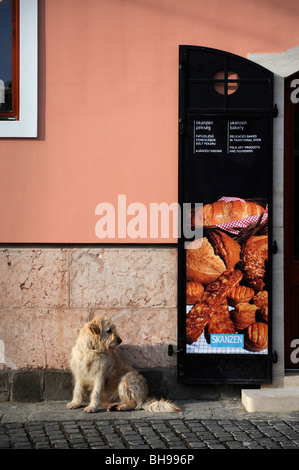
{"x": 236, "y": 225}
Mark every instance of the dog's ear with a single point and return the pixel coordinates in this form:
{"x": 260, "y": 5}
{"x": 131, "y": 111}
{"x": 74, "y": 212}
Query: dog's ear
{"x": 95, "y": 329}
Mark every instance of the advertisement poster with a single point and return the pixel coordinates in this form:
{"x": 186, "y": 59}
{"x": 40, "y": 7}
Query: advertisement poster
{"x": 226, "y": 269}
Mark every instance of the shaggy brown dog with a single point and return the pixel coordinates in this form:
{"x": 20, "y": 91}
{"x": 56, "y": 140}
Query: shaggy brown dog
{"x": 99, "y": 369}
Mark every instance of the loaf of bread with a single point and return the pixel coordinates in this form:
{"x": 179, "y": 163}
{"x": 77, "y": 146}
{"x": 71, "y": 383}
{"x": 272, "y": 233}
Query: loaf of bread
{"x": 194, "y": 291}
{"x": 210, "y": 256}
{"x": 202, "y": 265}
{"x": 221, "y": 212}
{"x": 226, "y": 247}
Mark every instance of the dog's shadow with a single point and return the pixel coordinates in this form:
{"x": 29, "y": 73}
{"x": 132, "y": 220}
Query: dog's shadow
{"x": 154, "y": 363}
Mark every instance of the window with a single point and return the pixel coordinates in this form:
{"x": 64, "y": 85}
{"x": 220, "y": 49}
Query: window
{"x": 18, "y": 68}
{"x": 9, "y": 59}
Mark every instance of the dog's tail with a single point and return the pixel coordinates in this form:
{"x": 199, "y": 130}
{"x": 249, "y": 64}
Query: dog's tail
{"x": 160, "y": 406}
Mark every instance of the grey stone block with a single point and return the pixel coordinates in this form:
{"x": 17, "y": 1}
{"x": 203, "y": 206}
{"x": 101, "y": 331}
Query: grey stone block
{"x": 4, "y": 386}
{"x": 58, "y": 385}
{"x": 27, "y": 385}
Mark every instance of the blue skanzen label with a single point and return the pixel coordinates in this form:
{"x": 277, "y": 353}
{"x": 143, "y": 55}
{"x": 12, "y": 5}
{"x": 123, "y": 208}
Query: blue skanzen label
{"x": 227, "y": 341}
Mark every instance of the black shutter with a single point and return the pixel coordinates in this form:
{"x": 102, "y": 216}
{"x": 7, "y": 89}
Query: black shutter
{"x": 225, "y": 150}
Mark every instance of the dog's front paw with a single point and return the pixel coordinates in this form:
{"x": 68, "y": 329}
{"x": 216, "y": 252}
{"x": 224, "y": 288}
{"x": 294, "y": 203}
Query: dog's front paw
{"x": 90, "y": 409}
{"x": 72, "y": 405}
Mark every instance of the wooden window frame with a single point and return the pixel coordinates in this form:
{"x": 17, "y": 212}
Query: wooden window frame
{"x": 15, "y": 76}
{"x": 26, "y": 126}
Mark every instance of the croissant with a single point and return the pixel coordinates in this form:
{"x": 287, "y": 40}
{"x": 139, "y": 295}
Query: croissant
{"x": 256, "y": 336}
{"x": 220, "y": 212}
{"x": 241, "y": 294}
{"x": 194, "y": 291}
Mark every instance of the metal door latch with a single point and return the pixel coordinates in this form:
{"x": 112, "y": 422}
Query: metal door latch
{"x": 171, "y": 350}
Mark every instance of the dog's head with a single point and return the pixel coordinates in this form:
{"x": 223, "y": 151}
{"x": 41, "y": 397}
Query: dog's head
{"x": 101, "y": 334}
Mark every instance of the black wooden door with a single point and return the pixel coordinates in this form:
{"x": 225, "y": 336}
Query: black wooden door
{"x": 291, "y": 223}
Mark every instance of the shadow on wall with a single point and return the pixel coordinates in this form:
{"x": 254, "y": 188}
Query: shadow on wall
{"x": 151, "y": 355}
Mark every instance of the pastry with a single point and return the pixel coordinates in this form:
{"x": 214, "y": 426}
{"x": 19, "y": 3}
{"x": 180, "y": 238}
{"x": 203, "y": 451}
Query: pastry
{"x": 217, "y": 291}
{"x": 256, "y": 336}
{"x": 196, "y": 321}
{"x": 254, "y": 255}
{"x": 263, "y": 314}
{"x": 214, "y": 295}
{"x": 261, "y": 301}
{"x": 220, "y": 323}
{"x": 194, "y": 291}
{"x": 240, "y": 294}
{"x": 261, "y": 298}
{"x": 243, "y": 315}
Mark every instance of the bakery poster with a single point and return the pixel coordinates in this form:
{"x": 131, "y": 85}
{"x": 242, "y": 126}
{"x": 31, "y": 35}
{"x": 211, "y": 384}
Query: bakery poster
{"x": 226, "y": 269}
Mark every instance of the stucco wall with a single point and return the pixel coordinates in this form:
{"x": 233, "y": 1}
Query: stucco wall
{"x": 108, "y": 106}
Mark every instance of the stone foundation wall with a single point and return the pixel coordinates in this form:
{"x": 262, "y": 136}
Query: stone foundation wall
{"x": 48, "y": 293}
{"x": 57, "y": 385}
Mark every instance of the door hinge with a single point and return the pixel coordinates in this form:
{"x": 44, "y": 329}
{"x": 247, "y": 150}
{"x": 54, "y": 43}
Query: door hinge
{"x": 274, "y": 357}
{"x": 274, "y": 247}
{"x": 182, "y": 64}
{"x": 275, "y": 111}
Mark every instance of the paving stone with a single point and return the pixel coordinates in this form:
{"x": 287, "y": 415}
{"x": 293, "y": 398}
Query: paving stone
{"x": 154, "y": 433}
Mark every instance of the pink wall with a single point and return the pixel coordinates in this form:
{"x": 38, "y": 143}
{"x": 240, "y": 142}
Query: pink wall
{"x": 108, "y": 105}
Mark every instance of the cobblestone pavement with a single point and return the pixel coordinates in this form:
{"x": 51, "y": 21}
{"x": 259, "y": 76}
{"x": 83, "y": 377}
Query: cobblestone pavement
{"x": 201, "y": 427}
{"x": 152, "y": 433}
